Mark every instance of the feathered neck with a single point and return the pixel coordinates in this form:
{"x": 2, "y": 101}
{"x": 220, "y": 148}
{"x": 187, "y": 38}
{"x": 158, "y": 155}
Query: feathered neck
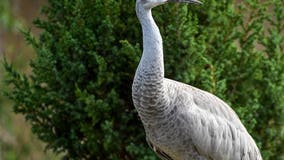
{"x": 152, "y": 61}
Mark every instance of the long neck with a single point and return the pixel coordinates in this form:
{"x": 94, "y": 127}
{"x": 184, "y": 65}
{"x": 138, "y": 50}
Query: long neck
{"x": 148, "y": 91}
{"x": 152, "y": 63}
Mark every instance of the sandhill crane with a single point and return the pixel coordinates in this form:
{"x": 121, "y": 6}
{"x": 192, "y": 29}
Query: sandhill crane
{"x": 183, "y": 122}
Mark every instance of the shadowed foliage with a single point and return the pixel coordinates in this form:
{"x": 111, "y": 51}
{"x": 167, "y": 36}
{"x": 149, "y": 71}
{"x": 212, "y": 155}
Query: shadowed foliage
{"x": 78, "y": 97}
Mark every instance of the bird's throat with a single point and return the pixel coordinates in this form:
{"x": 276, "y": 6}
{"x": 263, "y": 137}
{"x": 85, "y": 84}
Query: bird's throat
{"x": 152, "y": 61}
{"x": 148, "y": 86}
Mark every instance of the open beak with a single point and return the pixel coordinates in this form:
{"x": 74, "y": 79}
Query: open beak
{"x": 186, "y": 1}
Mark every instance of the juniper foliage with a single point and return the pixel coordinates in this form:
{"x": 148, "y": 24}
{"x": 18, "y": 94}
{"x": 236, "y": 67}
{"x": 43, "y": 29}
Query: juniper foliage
{"x": 78, "y": 97}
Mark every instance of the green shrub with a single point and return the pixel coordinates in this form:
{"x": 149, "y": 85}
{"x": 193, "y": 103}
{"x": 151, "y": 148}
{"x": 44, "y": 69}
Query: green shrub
{"x": 78, "y": 97}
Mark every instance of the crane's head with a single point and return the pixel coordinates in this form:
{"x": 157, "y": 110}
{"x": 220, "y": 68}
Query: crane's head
{"x": 148, "y": 4}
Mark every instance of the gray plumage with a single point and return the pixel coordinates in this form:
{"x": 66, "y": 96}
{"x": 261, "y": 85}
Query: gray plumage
{"x": 183, "y": 122}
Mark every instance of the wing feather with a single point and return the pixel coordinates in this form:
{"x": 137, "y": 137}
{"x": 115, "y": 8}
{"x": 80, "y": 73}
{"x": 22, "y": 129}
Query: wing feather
{"x": 215, "y": 128}
{"x": 207, "y": 102}
{"x": 161, "y": 154}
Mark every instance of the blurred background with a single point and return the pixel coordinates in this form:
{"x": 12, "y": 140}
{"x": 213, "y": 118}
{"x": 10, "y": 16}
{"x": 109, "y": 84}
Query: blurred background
{"x": 16, "y": 140}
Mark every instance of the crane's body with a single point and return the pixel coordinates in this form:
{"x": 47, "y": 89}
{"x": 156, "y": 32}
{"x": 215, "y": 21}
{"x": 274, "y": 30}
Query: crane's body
{"x": 183, "y": 122}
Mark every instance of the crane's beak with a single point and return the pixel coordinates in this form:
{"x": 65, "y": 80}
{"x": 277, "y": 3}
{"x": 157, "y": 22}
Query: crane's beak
{"x": 186, "y": 1}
